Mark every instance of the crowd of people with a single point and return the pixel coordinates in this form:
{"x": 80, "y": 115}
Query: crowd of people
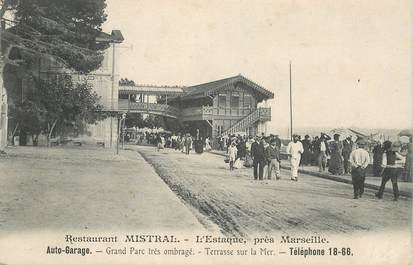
{"x": 184, "y": 142}
{"x": 259, "y": 152}
{"x": 263, "y": 154}
{"x": 346, "y": 156}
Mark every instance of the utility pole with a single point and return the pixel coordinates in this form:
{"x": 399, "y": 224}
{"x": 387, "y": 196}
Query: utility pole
{"x": 113, "y": 84}
{"x": 3, "y": 94}
{"x": 291, "y": 107}
{"x": 112, "y": 95}
{"x": 120, "y": 120}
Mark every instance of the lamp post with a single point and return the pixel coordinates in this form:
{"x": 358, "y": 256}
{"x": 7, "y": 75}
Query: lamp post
{"x": 291, "y": 107}
{"x": 120, "y": 122}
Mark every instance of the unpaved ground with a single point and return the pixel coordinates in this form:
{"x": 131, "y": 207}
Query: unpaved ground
{"x": 241, "y": 206}
{"x": 86, "y": 189}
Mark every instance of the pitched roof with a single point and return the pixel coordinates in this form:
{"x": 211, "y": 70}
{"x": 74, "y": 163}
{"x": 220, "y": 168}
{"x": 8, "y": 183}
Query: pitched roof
{"x": 115, "y": 36}
{"x": 197, "y": 91}
{"x": 210, "y": 87}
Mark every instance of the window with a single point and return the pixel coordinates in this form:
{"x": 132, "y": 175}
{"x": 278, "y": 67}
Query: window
{"x": 247, "y": 101}
{"x": 222, "y": 100}
{"x": 235, "y": 100}
{"x": 220, "y": 129}
{"x": 123, "y": 96}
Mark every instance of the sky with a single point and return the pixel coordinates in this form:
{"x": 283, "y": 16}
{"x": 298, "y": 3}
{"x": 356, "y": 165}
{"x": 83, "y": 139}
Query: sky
{"x": 351, "y": 59}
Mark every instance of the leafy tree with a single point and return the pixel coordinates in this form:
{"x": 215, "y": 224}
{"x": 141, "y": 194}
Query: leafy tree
{"x": 57, "y": 105}
{"x": 63, "y": 31}
{"x": 29, "y": 117}
{"x": 153, "y": 121}
{"x": 134, "y": 120}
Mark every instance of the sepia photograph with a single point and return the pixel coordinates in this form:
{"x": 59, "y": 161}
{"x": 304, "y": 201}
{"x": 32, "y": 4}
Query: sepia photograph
{"x": 206, "y": 132}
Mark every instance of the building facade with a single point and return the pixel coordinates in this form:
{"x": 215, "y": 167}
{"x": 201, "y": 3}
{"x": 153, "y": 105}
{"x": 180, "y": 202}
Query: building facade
{"x": 234, "y": 105}
{"x": 103, "y": 80}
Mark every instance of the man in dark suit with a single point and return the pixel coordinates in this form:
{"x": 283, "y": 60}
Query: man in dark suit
{"x": 306, "y": 159}
{"x": 258, "y": 156}
{"x": 347, "y": 148}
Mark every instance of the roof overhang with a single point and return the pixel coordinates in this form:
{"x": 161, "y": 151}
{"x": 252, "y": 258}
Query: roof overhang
{"x": 115, "y": 37}
{"x": 152, "y": 90}
{"x": 214, "y": 87}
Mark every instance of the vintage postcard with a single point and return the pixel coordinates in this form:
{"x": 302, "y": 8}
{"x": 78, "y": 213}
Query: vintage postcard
{"x": 206, "y": 132}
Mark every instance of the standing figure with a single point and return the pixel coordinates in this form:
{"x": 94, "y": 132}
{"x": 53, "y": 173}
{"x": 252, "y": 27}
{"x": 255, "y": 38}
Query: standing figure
{"x": 347, "y": 148}
{"x": 323, "y": 151}
{"x": 359, "y": 160}
{"x": 393, "y": 165}
{"x": 174, "y": 139}
{"x": 294, "y": 150}
{"x": 232, "y": 155}
{"x": 335, "y": 166}
{"x": 273, "y": 157}
{"x": 258, "y": 156}
{"x": 159, "y": 142}
{"x": 307, "y": 150}
{"x": 277, "y": 141}
{"x": 207, "y": 144}
{"x": 377, "y": 159}
{"x": 183, "y": 143}
{"x": 188, "y": 143}
{"x": 248, "y": 144}
{"x": 409, "y": 160}
{"x": 315, "y": 151}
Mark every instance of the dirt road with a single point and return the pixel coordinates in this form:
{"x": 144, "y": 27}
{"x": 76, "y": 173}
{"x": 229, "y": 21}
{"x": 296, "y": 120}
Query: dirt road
{"x": 241, "y": 206}
{"x": 86, "y": 190}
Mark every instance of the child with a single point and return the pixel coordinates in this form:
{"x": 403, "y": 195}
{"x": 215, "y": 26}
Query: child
{"x": 232, "y": 155}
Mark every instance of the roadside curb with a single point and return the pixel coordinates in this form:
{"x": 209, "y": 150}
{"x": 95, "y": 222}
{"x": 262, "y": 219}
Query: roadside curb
{"x": 334, "y": 178}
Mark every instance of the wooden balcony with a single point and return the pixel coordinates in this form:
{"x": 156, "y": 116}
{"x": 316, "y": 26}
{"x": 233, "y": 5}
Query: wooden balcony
{"x": 152, "y": 108}
{"x": 211, "y": 113}
{"x": 265, "y": 114}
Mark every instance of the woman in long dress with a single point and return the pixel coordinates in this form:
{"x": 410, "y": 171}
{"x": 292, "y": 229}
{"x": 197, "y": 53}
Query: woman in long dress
{"x": 336, "y": 163}
{"x": 207, "y": 144}
{"x": 377, "y": 159}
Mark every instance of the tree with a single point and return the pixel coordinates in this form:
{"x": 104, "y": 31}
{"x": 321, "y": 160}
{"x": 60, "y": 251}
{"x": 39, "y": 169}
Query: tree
{"x": 154, "y": 121}
{"x": 57, "y": 105}
{"x": 30, "y": 117}
{"x": 134, "y": 120}
{"x": 64, "y": 31}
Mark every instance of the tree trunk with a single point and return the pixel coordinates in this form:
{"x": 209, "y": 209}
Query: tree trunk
{"x": 3, "y": 106}
{"x": 35, "y": 138}
{"x": 3, "y": 95}
{"x": 23, "y": 137}
{"x": 49, "y": 135}
{"x": 14, "y": 133}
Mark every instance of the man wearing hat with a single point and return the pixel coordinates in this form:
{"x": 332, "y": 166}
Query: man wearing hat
{"x": 359, "y": 160}
{"x": 258, "y": 156}
{"x": 347, "y": 148}
{"x": 188, "y": 143}
{"x": 272, "y": 153}
{"x": 307, "y": 150}
{"x": 294, "y": 150}
{"x": 392, "y": 162}
{"x": 323, "y": 151}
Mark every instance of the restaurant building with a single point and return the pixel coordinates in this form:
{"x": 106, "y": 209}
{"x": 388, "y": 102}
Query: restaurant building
{"x": 233, "y": 105}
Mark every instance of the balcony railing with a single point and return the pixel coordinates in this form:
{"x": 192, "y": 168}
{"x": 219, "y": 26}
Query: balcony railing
{"x": 125, "y": 105}
{"x": 208, "y": 111}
